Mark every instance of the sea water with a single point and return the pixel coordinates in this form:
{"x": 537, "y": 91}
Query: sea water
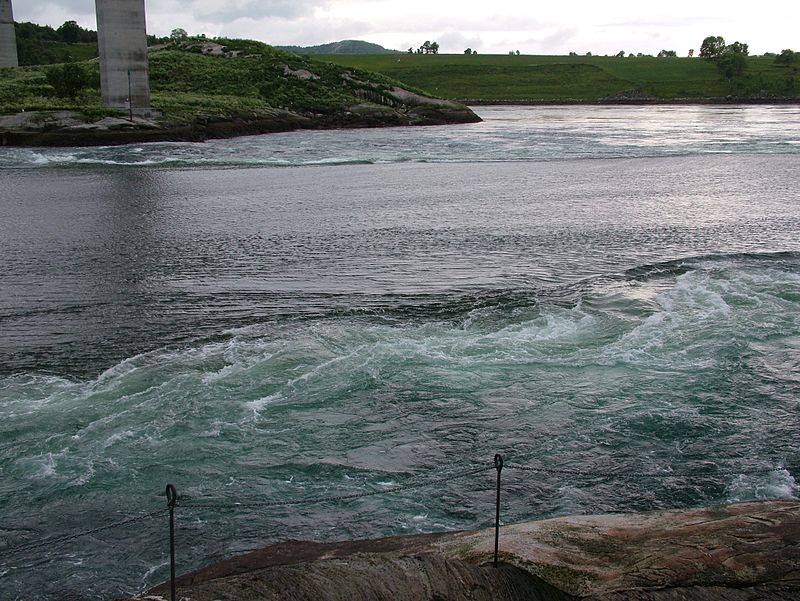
{"x": 609, "y": 296}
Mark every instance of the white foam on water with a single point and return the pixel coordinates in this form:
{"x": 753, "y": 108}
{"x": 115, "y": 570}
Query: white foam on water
{"x": 41, "y": 467}
{"x": 320, "y": 369}
{"x": 694, "y": 296}
{"x": 46, "y": 158}
{"x": 118, "y": 437}
{"x": 213, "y": 432}
{"x": 259, "y": 405}
{"x": 777, "y": 484}
{"x": 226, "y": 373}
{"x": 146, "y": 579}
{"x": 686, "y": 312}
{"x": 122, "y": 369}
{"x": 85, "y": 476}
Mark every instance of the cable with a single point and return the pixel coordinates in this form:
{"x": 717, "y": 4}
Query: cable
{"x": 665, "y": 475}
{"x": 59, "y": 540}
{"x": 335, "y": 498}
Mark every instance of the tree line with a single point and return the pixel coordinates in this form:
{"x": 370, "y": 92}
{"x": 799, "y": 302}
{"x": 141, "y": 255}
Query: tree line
{"x": 45, "y": 45}
{"x": 427, "y": 47}
{"x": 42, "y": 44}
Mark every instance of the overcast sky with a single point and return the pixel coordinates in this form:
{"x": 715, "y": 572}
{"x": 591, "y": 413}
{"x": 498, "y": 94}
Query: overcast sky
{"x": 555, "y": 27}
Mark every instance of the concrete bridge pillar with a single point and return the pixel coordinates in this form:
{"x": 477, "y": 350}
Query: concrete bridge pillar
{"x": 8, "y": 38}
{"x": 122, "y": 43}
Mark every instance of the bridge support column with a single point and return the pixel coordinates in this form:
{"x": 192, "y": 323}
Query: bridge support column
{"x": 8, "y": 37}
{"x": 122, "y": 43}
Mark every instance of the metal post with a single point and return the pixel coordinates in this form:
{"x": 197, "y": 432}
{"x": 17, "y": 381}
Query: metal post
{"x": 172, "y": 498}
{"x": 498, "y": 465}
{"x": 130, "y": 98}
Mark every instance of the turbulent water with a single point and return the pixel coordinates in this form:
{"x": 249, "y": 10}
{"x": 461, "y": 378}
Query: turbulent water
{"x": 610, "y": 295}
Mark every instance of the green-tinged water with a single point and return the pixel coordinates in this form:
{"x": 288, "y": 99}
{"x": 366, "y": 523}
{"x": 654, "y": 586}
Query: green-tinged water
{"x": 628, "y": 326}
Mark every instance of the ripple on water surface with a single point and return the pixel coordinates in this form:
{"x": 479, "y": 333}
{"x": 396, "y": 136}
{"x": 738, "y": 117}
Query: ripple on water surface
{"x": 256, "y": 335}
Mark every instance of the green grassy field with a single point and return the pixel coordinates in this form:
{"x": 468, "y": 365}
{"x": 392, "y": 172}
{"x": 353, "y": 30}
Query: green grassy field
{"x": 554, "y": 78}
{"x": 185, "y": 82}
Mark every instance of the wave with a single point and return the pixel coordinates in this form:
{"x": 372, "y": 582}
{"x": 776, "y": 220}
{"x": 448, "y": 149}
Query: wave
{"x": 669, "y": 367}
{"x": 701, "y": 320}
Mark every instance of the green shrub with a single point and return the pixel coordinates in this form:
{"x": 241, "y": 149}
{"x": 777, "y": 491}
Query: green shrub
{"x": 67, "y": 80}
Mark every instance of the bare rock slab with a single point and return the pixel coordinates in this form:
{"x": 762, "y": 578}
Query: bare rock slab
{"x": 743, "y": 552}
{"x": 623, "y": 556}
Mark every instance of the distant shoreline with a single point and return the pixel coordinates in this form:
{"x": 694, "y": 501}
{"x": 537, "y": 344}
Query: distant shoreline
{"x": 633, "y": 102}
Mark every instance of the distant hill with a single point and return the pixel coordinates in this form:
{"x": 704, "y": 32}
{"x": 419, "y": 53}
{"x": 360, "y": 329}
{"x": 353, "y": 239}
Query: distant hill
{"x": 343, "y": 47}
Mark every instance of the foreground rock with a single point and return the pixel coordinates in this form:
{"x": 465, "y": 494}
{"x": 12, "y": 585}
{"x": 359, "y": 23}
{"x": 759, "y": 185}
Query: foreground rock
{"x": 743, "y": 552}
{"x": 70, "y": 128}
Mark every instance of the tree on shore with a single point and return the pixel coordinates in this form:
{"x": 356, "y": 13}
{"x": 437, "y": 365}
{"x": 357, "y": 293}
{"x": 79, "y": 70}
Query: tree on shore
{"x": 428, "y": 47}
{"x": 732, "y": 61}
{"x": 667, "y": 54}
{"x": 712, "y": 47}
{"x": 178, "y": 34}
{"x": 786, "y": 57}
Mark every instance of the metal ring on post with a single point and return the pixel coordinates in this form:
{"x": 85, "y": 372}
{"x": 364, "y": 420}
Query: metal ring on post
{"x": 172, "y": 496}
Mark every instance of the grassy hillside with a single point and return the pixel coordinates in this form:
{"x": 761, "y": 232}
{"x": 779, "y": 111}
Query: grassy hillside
{"x": 220, "y": 77}
{"x": 51, "y": 52}
{"x": 553, "y": 78}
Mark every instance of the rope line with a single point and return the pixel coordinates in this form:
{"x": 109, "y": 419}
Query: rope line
{"x": 336, "y": 498}
{"x": 628, "y": 475}
{"x": 60, "y": 540}
{"x": 8, "y": 551}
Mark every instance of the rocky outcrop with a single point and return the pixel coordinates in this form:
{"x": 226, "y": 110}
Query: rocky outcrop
{"x": 70, "y": 128}
{"x": 640, "y": 556}
{"x": 744, "y": 552}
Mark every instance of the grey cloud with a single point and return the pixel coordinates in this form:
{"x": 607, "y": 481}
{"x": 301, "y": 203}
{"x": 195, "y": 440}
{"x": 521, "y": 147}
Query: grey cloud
{"x": 76, "y": 6}
{"x": 558, "y": 38}
{"x": 455, "y": 41}
{"x": 255, "y": 9}
{"x": 667, "y": 22}
{"x": 52, "y": 12}
{"x": 300, "y": 31}
{"x": 44, "y": 11}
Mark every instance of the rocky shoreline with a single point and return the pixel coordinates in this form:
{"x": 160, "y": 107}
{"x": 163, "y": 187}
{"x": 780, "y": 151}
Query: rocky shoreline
{"x": 70, "y": 128}
{"x": 742, "y": 552}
